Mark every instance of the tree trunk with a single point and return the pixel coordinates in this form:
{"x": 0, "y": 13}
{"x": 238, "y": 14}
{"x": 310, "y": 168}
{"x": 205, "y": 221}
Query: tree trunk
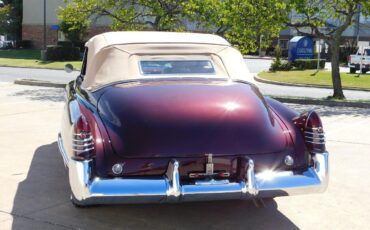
{"x": 156, "y": 23}
{"x": 335, "y": 74}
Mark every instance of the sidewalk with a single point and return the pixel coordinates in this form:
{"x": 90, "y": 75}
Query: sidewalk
{"x": 258, "y": 57}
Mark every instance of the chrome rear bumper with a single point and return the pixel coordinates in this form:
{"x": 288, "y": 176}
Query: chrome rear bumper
{"x": 93, "y": 190}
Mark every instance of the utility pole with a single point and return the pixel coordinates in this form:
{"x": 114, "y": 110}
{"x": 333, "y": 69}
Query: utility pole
{"x": 44, "y": 24}
{"x": 260, "y": 48}
{"x": 318, "y": 54}
{"x": 358, "y": 35}
{"x": 358, "y": 23}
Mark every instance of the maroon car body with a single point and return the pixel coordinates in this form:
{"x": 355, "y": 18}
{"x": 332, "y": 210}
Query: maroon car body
{"x": 186, "y": 138}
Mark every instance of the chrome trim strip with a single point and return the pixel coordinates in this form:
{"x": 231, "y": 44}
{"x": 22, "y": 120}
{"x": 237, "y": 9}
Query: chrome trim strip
{"x": 82, "y": 145}
{"x": 83, "y": 150}
{"x": 62, "y": 150}
{"x": 212, "y": 182}
{"x": 209, "y": 189}
{"x": 316, "y": 138}
{"x": 317, "y": 143}
{"x": 251, "y": 183}
{"x": 82, "y": 134}
{"x": 83, "y": 140}
{"x": 173, "y": 179}
{"x": 93, "y": 190}
{"x": 319, "y": 128}
{"x": 312, "y": 133}
{"x": 320, "y": 140}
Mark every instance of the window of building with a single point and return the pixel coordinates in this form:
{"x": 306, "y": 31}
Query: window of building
{"x": 283, "y": 43}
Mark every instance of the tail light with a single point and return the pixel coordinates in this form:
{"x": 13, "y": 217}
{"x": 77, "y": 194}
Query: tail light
{"x": 82, "y": 140}
{"x": 312, "y": 129}
{"x": 349, "y": 59}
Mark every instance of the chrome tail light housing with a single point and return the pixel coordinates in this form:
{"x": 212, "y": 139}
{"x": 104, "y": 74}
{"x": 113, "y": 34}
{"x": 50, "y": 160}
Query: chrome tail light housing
{"x": 311, "y": 127}
{"x": 82, "y": 140}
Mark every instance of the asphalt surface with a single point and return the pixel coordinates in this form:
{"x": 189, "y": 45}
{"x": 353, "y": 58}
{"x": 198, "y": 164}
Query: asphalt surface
{"x": 9, "y": 74}
{"x": 34, "y": 191}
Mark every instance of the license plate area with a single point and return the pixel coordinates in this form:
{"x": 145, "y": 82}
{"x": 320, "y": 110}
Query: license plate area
{"x": 211, "y": 168}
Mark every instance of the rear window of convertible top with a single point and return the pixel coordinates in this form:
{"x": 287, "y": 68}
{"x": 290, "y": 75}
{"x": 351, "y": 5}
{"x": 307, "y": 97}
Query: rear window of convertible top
{"x": 192, "y": 67}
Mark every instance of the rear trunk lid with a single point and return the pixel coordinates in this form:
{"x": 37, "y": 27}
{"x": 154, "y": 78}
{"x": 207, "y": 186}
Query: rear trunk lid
{"x": 189, "y": 119}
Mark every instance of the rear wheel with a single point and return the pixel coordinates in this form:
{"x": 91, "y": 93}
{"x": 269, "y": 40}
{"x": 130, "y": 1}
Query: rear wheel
{"x": 352, "y": 70}
{"x": 363, "y": 71}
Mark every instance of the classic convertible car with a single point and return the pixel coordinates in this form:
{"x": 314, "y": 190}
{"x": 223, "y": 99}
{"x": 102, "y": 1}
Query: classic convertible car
{"x": 171, "y": 117}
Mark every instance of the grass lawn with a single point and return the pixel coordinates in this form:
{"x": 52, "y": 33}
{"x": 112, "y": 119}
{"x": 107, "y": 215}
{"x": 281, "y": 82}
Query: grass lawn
{"x": 31, "y": 58}
{"x": 322, "y": 78}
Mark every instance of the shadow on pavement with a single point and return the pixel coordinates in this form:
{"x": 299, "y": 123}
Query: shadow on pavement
{"x": 328, "y": 111}
{"x": 42, "y": 94}
{"x": 42, "y": 202}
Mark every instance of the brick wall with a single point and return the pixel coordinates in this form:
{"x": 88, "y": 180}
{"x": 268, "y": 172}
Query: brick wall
{"x": 35, "y": 33}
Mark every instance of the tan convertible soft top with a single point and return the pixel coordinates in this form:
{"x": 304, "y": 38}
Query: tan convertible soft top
{"x": 114, "y": 56}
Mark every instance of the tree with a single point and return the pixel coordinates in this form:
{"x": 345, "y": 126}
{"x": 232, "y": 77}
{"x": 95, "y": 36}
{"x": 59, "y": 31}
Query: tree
{"x": 75, "y": 19}
{"x": 10, "y": 18}
{"x": 149, "y": 14}
{"x": 328, "y": 19}
{"x": 242, "y": 22}
{"x": 5, "y": 13}
{"x": 78, "y": 15}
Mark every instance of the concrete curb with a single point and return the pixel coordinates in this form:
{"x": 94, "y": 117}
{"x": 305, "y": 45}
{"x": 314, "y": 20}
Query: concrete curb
{"x": 312, "y": 101}
{"x": 256, "y": 78}
{"x": 258, "y": 57}
{"x": 37, "y": 68}
{"x": 26, "y": 67}
{"x": 32, "y": 82}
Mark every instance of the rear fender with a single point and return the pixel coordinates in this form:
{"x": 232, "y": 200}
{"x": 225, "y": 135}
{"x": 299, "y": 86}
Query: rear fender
{"x": 286, "y": 115}
{"x": 74, "y": 108}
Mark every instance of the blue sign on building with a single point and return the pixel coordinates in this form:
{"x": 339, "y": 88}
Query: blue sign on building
{"x": 300, "y": 47}
{"x": 55, "y": 27}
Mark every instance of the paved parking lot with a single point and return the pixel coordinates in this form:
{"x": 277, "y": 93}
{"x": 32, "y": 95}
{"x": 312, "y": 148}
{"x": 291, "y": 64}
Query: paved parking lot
{"x": 34, "y": 191}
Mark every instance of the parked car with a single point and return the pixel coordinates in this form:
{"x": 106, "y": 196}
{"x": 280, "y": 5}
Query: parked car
{"x": 360, "y": 61}
{"x": 170, "y": 117}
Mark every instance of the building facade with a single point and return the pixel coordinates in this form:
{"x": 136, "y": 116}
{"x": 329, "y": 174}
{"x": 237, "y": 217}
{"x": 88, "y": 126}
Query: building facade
{"x": 33, "y": 23}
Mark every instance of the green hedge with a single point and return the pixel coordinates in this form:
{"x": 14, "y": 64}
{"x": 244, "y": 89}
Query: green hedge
{"x": 65, "y": 43}
{"x": 62, "y": 53}
{"x": 278, "y": 65}
{"x": 308, "y": 64}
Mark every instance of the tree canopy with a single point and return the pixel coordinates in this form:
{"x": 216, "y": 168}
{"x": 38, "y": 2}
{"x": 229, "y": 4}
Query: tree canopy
{"x": 10, "y": 18}
{"x": 242, "y": 22}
